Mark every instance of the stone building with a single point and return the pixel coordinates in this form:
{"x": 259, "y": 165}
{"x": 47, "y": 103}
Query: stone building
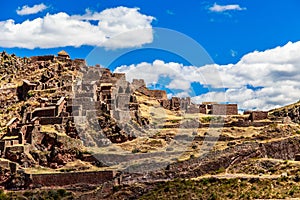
{"x": 48, "y": 109}
{"x": 214, "y": 108}
{"x": 257, "y": 115}
{"x": 224, "y": 109}
{"x": 25, "y": 88}
{"x": 42, "y": 58}
{"x": 63, "y": 54}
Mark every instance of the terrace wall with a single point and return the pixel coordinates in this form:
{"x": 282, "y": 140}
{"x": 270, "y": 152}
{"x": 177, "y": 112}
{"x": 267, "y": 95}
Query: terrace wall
{"x": 70, "y": 178}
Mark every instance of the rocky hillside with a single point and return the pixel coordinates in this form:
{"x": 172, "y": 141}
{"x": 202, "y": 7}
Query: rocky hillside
{"x": 292, "y": 111}
{"x": 45, "y": 71}
{"x": 235, "y": 152}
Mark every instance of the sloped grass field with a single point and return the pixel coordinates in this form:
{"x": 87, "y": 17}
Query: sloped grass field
{"x": 212, "y": 188}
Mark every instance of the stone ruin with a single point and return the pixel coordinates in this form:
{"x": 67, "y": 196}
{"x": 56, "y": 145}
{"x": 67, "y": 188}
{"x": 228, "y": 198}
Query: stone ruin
{"x": 42, "y": 58}
{"x": 99, "y": 93}
{"x": 214, "y": 108}
{"x": 256, "y": 115}
{"x": 25, "y": 88}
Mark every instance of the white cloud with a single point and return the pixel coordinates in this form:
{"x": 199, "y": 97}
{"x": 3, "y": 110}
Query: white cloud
{"x": 26, "y": 10}
{"x": 147, "y": 71}
{"x": 151, "y": 72}
{"x": 222, "y": 8}
{"x": 61, "y": 29}
{"x": 179, "y": 84}
{"x": 260, "y": 80}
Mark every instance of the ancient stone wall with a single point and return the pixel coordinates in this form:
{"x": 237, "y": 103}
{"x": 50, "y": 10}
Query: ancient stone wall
{"x": 93, "y": 74}
{"x": 121, "y": 116}
{"x": 86, "y": 94}
{"x": 193, "y": 109}
{"x": 122, "y": 101}
{"x": 51, "y": 120}
{"x": 158, "y": 94}
{"x": 16, "y": 148}
{"x": 224, "y": 109}
{"x": 88, "y": 106}
{"x": 28, "y": 134}
{"x": 165, "y": 103}
{"x": 60, "y": 105}
{"x": 258, "y": 115}
{"x": 12, "y": 124}
{"x": 63, "y": 179}
{"x": 136, "y": 83}
{"x": 202, "y": 109}
{"x": 119, "y": 76}
{"x": 175, "y": 103}
{"x": 44, "y": 112}
{"x": 37, "y": 137}
{"x": 24, "y": 89}
{"x": 2, "y": 147}
{"x": 79, "y": 62}
{"x": 247, "y": 112}
{"x": 242, "y": 123}
{"x": 184, "y": 104}
{"x": 42, "y": 58}
{"x": 81, "y": 100}
{"x": 143, "y": 90}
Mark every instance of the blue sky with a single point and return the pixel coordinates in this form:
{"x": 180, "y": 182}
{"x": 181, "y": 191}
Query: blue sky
{"x": 263, "y": 25}
{"x": 230, "y": 31}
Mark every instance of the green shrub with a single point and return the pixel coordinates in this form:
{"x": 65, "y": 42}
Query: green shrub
{"x": 52, "y": 194}
{"x": 213, "y": 196}
{"x": 3, "y": 196}
{"x": 30, "y": 94}
{"x": 62, "y": 192}
{"x": 136, "y": 150}
{"x": 220, "y": 170}
{"x": 206, "y": 119}
{"x": 230, "y": 195}
{"x": 291, "y": 192}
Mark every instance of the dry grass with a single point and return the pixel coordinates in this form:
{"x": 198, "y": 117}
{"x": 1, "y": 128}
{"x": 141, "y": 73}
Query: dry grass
{"x": 51, "y": 129}
{"x": 143, "y": 145}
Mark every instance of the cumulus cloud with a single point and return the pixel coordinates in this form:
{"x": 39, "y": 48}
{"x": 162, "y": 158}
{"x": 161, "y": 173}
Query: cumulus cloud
{"x": 26, "y": 10}
{"x": 181, "y": 76}
{"x": 95, "y": 29}
{"x": 260, "y": 80}
{"x": 222, "y": 8}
